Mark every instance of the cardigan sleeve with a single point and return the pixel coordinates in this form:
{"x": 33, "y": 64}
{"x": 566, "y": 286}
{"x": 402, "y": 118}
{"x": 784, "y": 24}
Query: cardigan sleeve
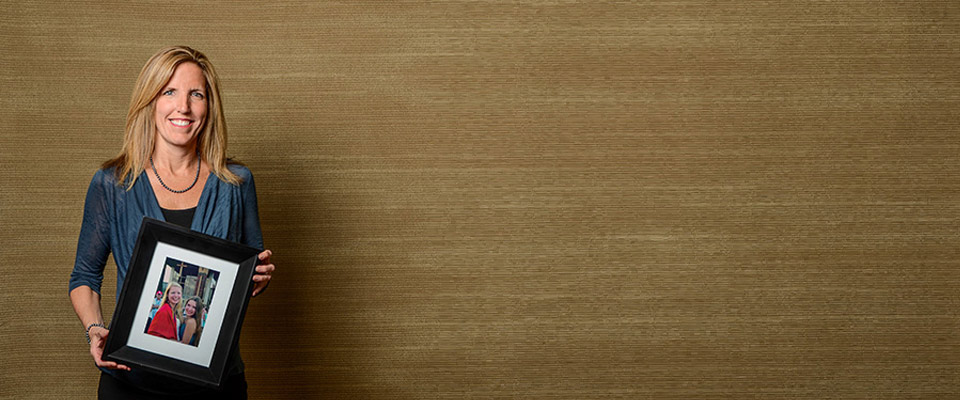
{"x": 93, "y": 245}
{"x": 251, "y": 236}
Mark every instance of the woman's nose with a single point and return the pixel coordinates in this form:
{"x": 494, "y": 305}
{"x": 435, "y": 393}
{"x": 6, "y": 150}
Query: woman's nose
{"x": 183, "y": 104}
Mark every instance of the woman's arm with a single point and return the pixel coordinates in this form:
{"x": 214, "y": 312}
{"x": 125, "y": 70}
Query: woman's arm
{"x": 188, "y": 331}
{"x": 86, "y": 303}
{"x": 92, "y": 251}
{"x": 252, "y": 236}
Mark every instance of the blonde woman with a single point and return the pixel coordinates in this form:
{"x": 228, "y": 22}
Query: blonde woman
{"x": 173, "y": 166}
{"x": 164, "y": 324}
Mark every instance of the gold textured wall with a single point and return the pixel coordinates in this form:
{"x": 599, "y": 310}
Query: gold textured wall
{"x": 544, "y": 199}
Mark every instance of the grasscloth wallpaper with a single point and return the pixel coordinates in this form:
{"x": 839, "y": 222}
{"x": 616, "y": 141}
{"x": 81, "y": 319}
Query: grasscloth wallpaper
{"x": 539, "y": 199}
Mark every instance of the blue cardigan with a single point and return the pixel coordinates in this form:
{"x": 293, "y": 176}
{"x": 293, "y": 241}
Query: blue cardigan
{"x": 111, "y": 221}
{"x": 112, "y": 217}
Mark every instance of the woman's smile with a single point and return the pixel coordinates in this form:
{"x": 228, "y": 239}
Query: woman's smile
{"x": 182, "y": 123}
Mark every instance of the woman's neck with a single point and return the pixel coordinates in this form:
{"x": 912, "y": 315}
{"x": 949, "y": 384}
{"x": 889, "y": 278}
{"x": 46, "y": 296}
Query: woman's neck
{"x": 177, "y": 160}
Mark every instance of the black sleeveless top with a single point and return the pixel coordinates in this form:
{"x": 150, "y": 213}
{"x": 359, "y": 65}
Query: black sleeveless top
{"x": 183, "y": 217}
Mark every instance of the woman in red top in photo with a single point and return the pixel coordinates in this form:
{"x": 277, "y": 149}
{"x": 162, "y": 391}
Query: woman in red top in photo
{"x": 164, "y": 324}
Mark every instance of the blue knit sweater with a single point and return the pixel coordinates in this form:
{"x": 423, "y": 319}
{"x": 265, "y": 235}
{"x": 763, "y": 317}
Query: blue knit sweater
{"x": 111, "y": 220}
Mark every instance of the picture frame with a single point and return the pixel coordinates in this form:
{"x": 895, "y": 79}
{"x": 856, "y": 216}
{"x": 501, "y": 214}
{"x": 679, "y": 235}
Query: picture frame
{"x": 214, "y": 280}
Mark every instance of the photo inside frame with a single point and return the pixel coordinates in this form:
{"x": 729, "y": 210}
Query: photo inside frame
{"x": 183, "y": 296}
{"x": 203, "y": 283}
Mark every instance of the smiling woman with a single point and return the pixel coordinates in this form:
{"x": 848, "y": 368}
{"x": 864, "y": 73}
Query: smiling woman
{"x": 164, "y": 324}
{"x": 176, "y": 129}
{"x": 181, "y": 108}
{"x": 176, "y": 106}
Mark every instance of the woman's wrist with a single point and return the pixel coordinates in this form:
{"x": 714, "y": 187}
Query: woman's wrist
{"x": 91, "y": 326}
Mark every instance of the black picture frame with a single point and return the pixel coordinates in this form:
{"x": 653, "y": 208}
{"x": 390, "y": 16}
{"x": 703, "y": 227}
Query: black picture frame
{"x": 205, "y": 364}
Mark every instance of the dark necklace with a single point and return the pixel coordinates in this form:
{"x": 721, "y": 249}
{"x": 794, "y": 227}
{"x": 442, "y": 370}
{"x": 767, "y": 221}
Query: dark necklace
{"x": 195, "y": 179}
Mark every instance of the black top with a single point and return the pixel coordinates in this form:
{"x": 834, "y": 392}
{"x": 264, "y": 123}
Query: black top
{"x": 183, "y": 218}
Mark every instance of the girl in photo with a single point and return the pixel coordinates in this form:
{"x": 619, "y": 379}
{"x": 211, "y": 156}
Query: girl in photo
{"x": 164, "y": 324}
{"x": 191, "y": 326}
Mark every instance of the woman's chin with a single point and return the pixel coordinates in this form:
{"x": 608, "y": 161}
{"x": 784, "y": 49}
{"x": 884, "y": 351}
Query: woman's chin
{"x": 179, "y": 140}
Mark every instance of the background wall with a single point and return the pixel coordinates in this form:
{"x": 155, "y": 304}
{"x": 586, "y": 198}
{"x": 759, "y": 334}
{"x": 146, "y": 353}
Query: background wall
{"x": 545, "y": 199}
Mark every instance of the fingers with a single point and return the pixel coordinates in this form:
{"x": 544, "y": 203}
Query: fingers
{"x": 266, "y": 268}
{"x": 263, "y": 271}
{"x": 261, "y": 278}
{"x": 106, "y": 364}
{"x": 265, "y": 255}
{"x": 96, "y": 350}
{"x": 112, "y": 365}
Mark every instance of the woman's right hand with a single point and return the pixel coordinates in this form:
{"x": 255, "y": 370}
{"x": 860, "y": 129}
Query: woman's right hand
{"x": 98, "y": 339}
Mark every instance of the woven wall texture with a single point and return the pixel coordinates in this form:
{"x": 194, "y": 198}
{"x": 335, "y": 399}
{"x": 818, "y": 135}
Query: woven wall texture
{"x": 544, "y": 199}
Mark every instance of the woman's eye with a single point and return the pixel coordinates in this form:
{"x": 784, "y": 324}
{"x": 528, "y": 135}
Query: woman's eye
{"x": 198, "y": 95}
{"x": 168, "y": 92}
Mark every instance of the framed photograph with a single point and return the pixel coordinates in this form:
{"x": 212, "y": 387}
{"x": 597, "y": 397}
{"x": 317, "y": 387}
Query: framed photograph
{"x": 182, "y": 303}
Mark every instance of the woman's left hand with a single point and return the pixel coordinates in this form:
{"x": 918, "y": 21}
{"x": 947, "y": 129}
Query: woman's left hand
{"x": 264, "y": 269}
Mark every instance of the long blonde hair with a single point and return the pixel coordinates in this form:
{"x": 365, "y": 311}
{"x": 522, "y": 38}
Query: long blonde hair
{"x": 140, "y": 132}
{"x": 175, "y": 309}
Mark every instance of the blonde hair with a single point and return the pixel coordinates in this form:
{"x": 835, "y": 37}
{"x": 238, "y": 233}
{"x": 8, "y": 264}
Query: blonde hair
{"x": 140, "y": 132}
{"x": 176, "y": 309}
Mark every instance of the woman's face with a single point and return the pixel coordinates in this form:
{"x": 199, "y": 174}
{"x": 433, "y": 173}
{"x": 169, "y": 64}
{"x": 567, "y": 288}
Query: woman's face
{"x": 181, "y": 107}
{"x": 173, "y": 297}
{"x": 191, "y": 308}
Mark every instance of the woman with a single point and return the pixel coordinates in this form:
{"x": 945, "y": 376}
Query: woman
{"x": 164, "y": 324}
{"x": 172, "y": 166}
{"x": 191, "y": 327}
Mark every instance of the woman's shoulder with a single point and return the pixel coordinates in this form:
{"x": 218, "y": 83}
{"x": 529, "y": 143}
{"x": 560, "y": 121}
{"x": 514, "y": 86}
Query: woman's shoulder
{"x": 105, "y": 175}
{"x": 241, "y": 171}
{"x": 108, "y": 177}
{"x": 104, "y": 182}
